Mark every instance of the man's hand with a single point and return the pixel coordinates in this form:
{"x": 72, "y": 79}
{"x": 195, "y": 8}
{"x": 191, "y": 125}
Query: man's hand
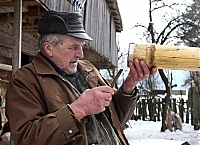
{"x": 138, "y": 72}
{"x": 92, "y": 101}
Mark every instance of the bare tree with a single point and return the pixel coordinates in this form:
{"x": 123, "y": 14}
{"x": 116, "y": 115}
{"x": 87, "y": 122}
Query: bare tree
{"x": 170, "y": 23}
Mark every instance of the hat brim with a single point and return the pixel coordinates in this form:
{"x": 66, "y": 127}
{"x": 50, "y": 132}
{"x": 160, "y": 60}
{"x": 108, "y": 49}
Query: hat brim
{"x": 80, "y": 35}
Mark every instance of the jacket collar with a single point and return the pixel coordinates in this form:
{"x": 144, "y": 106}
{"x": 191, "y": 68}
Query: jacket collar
{"x": 60, "y": 71}
{"x": 42, "y": 66}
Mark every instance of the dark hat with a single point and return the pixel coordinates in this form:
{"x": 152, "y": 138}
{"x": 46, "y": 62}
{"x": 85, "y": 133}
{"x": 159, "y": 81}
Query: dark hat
{"x": 53, "y": 22}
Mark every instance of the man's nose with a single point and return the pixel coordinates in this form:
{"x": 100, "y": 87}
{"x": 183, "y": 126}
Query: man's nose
{"x": 79, "y": 53}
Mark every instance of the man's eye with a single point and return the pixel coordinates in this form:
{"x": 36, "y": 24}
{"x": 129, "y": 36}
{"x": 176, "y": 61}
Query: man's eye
{"x": 71, "y": 48}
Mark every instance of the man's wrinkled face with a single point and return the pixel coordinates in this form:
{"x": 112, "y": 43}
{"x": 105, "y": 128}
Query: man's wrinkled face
{"x": 66, "y": 54}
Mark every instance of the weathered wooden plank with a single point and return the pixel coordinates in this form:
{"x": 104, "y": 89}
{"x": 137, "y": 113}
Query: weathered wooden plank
{"x": 4, "y": 81}
{"x": 29, "y": 42}
{"x": 97, "y": 25}
{"x": 113, "y": 47}
{"x": 5, "y": 60}
{"x": 58, "y": 5}
{"x": 173, "y": 92}
{"x": 10, "y": 9}
{"x": 29, "y": 46}
{"x": 5, "y": 75}
{"x": 30, "y": 3}
{"x": 5, "y": 50}
{"x": 16, "y": 53}
{"x": 6, "y": 67}
{"x": 6, "y": 33}
{"x": 178, "y": 92}
{"x": 24, "y": 3}
{"x": 5, "y": 1}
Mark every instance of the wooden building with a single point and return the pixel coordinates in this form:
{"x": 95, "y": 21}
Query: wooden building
{"x": 101, "y": 19}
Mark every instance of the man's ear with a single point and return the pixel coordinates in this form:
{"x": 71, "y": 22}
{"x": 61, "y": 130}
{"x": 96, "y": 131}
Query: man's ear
{"x": 48, "y": 49}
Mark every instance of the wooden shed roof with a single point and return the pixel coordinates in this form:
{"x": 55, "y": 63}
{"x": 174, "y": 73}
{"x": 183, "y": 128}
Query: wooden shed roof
{"x": 113, "y": 5}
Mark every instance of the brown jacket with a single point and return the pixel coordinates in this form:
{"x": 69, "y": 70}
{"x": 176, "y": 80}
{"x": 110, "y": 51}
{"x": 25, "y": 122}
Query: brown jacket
{"x": 36, "y": 105}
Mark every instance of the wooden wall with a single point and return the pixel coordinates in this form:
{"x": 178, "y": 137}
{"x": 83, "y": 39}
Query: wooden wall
{"x": 97, "y": 25}
{"x": 29, "y": 43}
{"x": 58, "y": 5}
{"x": 113, "y": 44}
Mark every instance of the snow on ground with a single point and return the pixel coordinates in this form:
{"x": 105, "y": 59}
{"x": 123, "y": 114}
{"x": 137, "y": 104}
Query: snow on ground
{"x": 148, "y": 133}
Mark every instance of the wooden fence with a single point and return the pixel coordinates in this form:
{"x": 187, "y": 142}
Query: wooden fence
{"x": 152, "y": 109}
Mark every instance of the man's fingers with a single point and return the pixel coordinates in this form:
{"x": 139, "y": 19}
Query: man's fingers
{"x": 145, "y": 68}
{"x": 138, "y": 68}
{"x": 105, "y": 97}
{"x": 105, "y": 89}
{"x": 102, "y": 93}
{"x": 153, "y": 71}
{"x": 132, "y": 70}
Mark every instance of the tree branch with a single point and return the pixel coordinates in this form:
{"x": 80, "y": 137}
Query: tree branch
{"x": 178, "y": 25}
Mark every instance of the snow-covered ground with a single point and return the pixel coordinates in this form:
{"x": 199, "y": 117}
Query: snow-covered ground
{"x": 148, "y": 133}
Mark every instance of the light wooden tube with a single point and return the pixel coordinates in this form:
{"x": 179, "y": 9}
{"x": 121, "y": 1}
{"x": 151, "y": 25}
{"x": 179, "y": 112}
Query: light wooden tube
{"x": 166, "y": 56}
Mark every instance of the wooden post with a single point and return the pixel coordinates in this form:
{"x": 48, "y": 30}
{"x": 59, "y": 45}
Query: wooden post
{"x": 166, "y": 56}
{"x": 139, "y": 110}
{"x": 164, "y": 106}
{"x": 149, "y": 101}
{"x": 181, "y": 109}
{"x": 192, "y": 114}
{"x": 159, "y": 110}
{"x": 196, "y": 107}
{"x": 16, "y": 52}
{"x": 193, "y": 101}
{"x": 174, "y": 106}
{"x": 187, "y": 113}
{"x": 144, "y": 110}
{"x": 169, "y": 119}
{"x": 136, "y": 112}
{"x": 134, "y": 116}
{"x": 154, "y": 109}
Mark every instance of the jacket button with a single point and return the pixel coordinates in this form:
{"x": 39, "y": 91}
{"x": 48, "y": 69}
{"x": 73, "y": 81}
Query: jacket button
{"x": 70, "y": 131}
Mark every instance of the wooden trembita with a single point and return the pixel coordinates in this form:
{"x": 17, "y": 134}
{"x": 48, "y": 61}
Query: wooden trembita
{"x": 166, "y": 56}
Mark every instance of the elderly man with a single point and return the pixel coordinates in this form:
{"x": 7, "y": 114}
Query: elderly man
{"x": 59, "y": 99}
